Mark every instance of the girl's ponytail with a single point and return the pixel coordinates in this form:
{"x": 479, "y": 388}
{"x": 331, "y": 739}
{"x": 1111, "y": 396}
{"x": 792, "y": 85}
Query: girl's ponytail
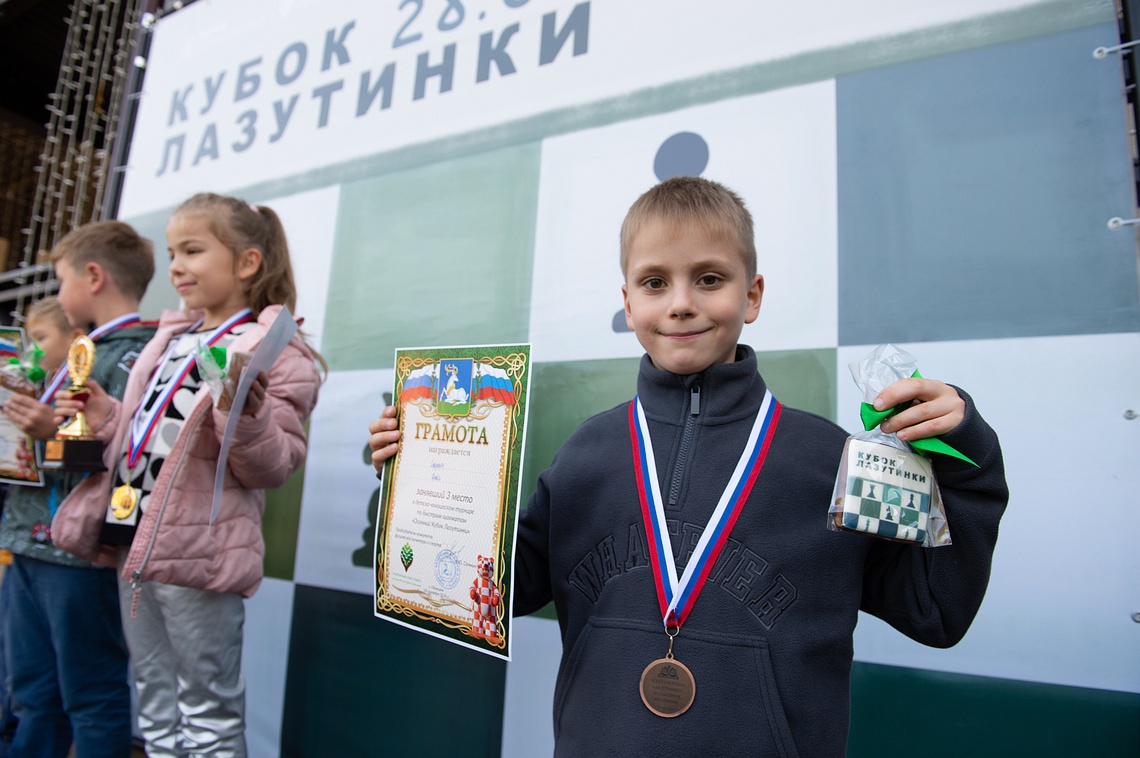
{"x": 273, "y": 284}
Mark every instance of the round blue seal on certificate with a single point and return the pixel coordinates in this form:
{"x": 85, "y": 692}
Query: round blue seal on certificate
{"x": 446, "y": 569}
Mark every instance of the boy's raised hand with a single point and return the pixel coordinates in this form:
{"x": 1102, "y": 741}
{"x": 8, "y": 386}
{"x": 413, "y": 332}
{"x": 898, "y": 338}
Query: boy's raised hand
{"x": 935, "y": 408}
{"x": 31, "y": 417}
{"x": 97, "y": 406}
{"x": 384, "y": 437}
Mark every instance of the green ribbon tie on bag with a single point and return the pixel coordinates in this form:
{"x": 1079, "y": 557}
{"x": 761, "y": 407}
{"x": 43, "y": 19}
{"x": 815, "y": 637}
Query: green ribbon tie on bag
{"x": 872, "y": 418}
{"x": 219, "y": 356}
{"x": 29, "y": 363}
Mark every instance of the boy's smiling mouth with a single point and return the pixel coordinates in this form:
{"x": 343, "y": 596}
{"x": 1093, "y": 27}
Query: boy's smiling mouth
{"x": 684, "y": 335}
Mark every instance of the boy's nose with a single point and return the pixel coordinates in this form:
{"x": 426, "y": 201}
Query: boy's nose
{"x": 682, "y": 304}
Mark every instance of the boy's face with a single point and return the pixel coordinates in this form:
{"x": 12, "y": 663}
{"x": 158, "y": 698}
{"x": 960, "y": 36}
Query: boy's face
{"x": 74, "y": 293}
{"x": 52, "y": 340}
{"x": 687, "y": 297}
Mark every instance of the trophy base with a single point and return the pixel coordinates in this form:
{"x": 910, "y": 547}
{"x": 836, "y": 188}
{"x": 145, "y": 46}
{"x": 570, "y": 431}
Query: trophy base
{"x": 73, "y": 455}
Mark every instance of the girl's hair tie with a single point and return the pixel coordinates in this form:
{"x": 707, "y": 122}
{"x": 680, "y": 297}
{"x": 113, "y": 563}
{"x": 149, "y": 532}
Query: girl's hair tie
{"x": 254, "y": 208}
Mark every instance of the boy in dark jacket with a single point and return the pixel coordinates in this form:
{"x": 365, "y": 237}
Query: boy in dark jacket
{"x": 68, "y": 661}
{"x": 705, "y": 608}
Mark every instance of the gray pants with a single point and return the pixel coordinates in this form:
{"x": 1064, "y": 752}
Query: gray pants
{"x": 185, "y": 646}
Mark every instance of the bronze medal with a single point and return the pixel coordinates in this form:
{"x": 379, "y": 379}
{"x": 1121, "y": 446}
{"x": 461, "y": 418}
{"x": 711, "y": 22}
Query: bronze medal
{"x": 668, "y": 687}
{"x": 124, "y": 500}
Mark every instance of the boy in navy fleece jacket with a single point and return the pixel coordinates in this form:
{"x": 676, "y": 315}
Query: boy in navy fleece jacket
{"x": 774, "y": 603}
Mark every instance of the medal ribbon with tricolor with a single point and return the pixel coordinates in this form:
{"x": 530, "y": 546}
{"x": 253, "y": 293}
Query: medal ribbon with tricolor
{"x": 127, "y": 319}
{"x": 143, "y": 423}
{"x": 677, "y": 597}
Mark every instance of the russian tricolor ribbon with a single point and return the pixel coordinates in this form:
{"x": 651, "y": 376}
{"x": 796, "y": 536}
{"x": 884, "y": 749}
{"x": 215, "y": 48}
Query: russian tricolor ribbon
{"x": 144, "y": 421}
{"x": 61, "y": 374}
{"x": 677, "y": 596}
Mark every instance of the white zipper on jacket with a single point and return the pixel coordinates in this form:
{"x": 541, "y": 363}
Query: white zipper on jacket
{"x": 136, "y": 575}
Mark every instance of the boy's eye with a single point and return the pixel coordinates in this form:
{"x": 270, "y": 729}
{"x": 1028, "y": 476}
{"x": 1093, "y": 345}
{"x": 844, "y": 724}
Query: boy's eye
{"x": 709, "y": 280}
{"x": 654, "y": 283}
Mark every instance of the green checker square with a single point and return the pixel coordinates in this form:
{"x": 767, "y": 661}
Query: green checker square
{"x": 872, "y": 508}
{"x": 280, "y": 524}
{"x": 804, "y": 379}
{"x": 435, "y": 255}
{"x": 362, "y": 686}
{"x": 909, "y": 517}
{"x": 563, "y": 395}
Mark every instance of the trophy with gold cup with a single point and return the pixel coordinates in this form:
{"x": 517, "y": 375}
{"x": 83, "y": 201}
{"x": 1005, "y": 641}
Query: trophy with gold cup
{"x": 75, "y": 447}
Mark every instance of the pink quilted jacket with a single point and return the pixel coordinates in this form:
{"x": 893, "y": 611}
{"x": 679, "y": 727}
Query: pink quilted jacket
{"x": 174, "y": 543}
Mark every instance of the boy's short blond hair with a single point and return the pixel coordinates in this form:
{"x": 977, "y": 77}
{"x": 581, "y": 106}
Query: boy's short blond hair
{"x": 127, "y": 257}
{"x": 48, "y": 309}
{"x": 692, "y": 201}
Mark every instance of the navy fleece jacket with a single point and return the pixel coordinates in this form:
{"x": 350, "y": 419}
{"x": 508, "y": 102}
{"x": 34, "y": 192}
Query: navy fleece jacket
{"x": 769, "y": 640}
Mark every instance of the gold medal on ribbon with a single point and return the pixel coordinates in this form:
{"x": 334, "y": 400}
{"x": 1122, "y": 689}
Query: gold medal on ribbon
{"x": 124, "y": 500}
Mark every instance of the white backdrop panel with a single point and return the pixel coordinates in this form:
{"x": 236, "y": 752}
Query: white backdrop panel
{"x": 1063, "y": 588}
{"x": 264, "y": 661}
{"x": 776, "y": 150}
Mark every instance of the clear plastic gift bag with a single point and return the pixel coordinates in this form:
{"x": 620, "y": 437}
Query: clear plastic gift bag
{"x": 221, "y": 370}
{"x": 885, "y": 488}
{"x": 22, "y": 374}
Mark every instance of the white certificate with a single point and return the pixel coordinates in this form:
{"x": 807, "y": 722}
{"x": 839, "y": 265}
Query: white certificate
{"x": 449, "y": 502}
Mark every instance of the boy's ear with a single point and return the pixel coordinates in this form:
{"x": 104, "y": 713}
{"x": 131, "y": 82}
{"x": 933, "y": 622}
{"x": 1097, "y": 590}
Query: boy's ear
{"x": 95, "y": 276}
{"x": 755, "y": 295}
{"x": 248, "y": 263}
{"x": 628, "y": 312}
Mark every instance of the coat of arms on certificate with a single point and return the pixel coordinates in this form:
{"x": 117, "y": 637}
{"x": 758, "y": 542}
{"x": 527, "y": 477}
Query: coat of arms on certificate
{"x": 449, "y": 500}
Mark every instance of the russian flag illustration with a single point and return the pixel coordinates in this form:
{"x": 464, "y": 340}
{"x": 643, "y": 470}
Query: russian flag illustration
{"x": 494, "y": 384}
{"x": 419, "y": 384}
{"x": 8, "y": 349}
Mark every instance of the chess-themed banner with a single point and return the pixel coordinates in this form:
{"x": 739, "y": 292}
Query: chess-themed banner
{"x": 455, "y": 172}
{"x": 272, "y": 88}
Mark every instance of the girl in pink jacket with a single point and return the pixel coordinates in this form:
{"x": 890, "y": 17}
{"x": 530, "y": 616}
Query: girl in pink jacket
{"x": 186, "y": 570}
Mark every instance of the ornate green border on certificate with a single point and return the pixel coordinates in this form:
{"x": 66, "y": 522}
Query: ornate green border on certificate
{"x": 497, "y": 385}
{"x": 27, "y": 472}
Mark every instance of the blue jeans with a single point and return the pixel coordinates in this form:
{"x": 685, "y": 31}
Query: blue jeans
{"x": 68, "y": 662}
{"x": 7, "y": 717}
